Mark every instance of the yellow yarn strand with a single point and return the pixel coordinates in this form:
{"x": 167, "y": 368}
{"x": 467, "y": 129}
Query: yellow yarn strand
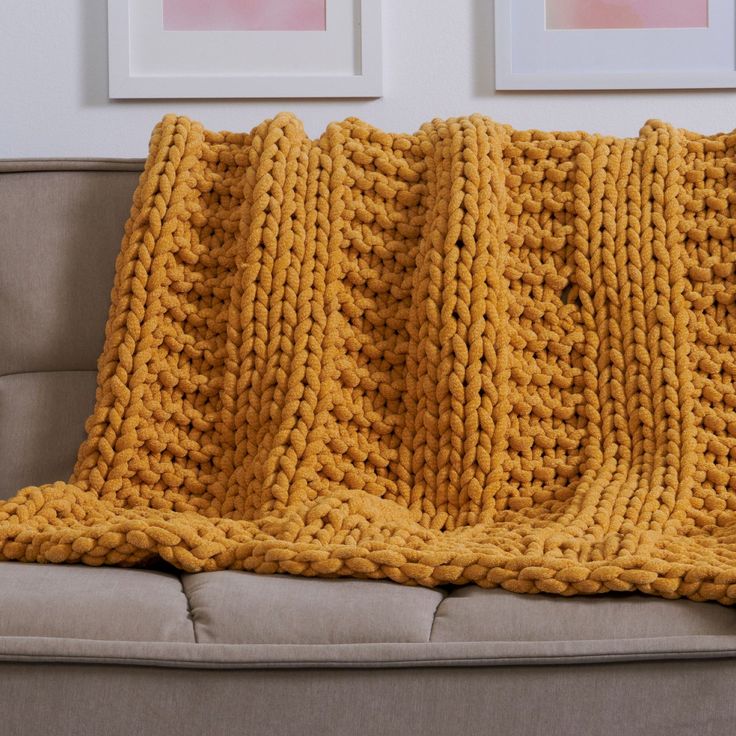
{"x": 470, "y": 354}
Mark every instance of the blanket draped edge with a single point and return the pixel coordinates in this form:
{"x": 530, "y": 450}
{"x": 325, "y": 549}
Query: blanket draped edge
{"x": 468, "y": 354}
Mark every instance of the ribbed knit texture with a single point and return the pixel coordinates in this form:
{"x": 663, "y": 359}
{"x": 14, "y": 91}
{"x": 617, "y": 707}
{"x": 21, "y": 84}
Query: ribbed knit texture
{"x": 470, "y": 354}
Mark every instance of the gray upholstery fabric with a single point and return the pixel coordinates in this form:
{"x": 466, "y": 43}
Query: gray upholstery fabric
{"x": 242, "y": 608}
{"x": 14, "y": 165}
{"x": 42, "y": 419}
{"x": 360, "y": 656}
{"x": 80, "y": 602}
{"x": 59, "y": 234}
{"x": 61, "y": 223}
{"x": 643, "y": 699}
{"x": 239, "y": 619}
{"x": 473, "y": 614}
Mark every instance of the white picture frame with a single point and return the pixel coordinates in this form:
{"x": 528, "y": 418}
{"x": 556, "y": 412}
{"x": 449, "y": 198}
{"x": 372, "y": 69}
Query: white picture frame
{"x": 530, "y": 57}
{"x": 127, "y": 32}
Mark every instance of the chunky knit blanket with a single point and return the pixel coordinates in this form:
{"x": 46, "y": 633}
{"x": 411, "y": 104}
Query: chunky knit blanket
{"x": 470, "y": 354}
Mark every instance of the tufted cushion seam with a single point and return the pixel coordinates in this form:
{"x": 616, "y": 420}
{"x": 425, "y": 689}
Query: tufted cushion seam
{"x": 51, "y": 370}
{"x": 191, "y": 615}
{"x": 445, "y": 596}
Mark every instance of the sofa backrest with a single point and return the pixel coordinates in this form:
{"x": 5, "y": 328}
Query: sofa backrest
{"x": 61, "y": 222}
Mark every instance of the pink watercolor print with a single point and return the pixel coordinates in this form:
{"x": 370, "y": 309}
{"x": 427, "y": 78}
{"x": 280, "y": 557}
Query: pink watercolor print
{"x": 244, "y": 15}
{"x": 581, "y": 14}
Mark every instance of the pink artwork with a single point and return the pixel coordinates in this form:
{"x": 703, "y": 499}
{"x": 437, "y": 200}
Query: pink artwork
{"x": 580, "y": 14}
{"x": 244, "y": 15}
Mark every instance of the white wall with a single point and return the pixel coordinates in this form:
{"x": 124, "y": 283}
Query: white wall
{"x": 437, "y": 63}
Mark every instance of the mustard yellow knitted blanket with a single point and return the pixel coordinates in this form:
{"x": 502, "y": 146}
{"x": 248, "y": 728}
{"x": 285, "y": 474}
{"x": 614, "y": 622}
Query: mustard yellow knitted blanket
{"x": 470, "y": 354}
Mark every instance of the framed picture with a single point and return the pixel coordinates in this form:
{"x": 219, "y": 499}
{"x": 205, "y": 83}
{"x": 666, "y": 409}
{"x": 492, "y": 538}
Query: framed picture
{"x": 615, "y": 44}
{"x": 244, "y": 48}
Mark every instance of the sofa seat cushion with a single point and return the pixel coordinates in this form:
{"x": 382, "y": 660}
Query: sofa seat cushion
{"x": 79, "y": 602}
{"x": 247, "y": 608}
{"x": 475, "y": 614}
{"x": 70, "y": 613}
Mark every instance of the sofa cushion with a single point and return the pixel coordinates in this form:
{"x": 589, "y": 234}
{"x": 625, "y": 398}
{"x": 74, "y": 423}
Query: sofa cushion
{"x": 61, "y": 222}
{"x": 235, "y": 619}
{"x": 61, "y": 231}
{"x": 78, "y": 602}
{"x": 42, "y": 419}
{"x": 474, "y": 614}
{"x": 247, "y": 608}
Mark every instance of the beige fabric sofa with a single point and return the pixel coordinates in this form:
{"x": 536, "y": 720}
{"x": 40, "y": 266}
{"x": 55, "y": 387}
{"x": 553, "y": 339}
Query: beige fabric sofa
{"x": 116, "y": 652}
